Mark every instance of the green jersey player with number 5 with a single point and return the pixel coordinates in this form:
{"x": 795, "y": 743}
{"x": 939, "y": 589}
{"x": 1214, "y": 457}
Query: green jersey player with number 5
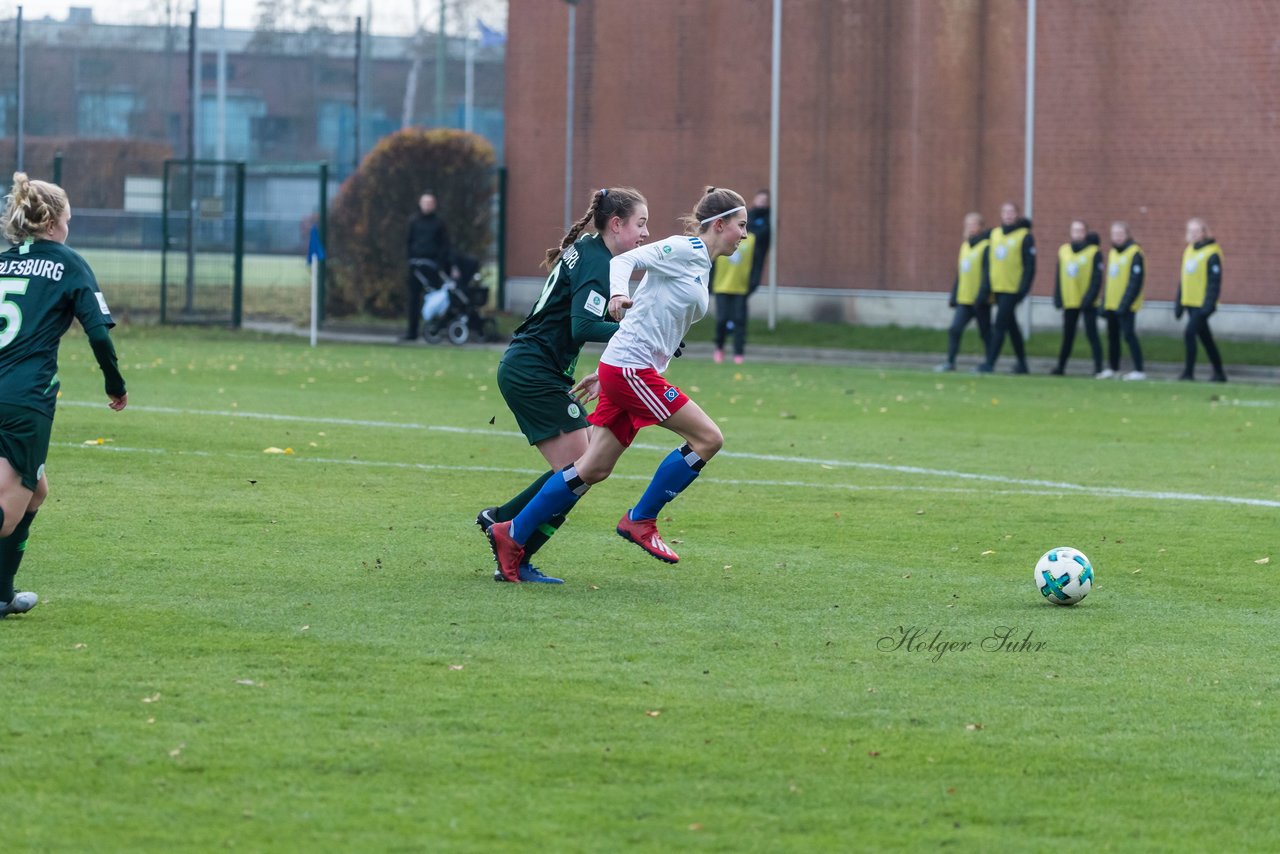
{"x": 43, "y": 284}
{"x": 536, "y": 372}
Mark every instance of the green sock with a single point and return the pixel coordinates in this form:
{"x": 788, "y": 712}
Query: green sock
{"x": 539, "y": 537}
{"x": 12, "y": 548}
{"x": 508, "y": 511}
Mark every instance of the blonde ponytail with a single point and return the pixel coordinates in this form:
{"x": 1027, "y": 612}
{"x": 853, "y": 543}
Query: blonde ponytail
{"x": 32, "y": 208}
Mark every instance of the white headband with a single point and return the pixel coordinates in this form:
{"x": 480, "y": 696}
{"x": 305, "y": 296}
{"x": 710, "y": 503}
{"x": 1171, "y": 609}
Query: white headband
{"x": 726, "y": 213}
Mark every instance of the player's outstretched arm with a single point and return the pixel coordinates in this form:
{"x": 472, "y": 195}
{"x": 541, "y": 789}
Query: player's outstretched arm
{"x": 105, "y": 353}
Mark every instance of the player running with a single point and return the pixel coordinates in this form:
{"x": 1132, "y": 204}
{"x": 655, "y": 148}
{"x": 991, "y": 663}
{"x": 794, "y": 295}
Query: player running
{"x": 535, "y": 375}
{"x": 42, "y": 285}
{"x": 669, "y": 299}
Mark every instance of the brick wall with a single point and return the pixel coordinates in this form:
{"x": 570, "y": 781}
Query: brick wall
{"x": 899, "y": 116}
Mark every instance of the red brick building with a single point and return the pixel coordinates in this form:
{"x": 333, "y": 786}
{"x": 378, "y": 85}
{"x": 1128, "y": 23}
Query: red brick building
{"x": 898, "y": 116}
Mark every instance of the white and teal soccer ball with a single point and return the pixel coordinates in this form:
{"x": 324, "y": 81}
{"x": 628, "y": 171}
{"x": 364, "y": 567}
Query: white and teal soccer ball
{"x": 1064, "y": 575}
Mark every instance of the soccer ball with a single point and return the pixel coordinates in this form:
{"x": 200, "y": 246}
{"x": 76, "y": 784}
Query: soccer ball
{"x": 1064, "y": 576}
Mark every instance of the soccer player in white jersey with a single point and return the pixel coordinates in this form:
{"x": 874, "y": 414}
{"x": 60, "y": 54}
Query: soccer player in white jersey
{"x": 670, "y": 298}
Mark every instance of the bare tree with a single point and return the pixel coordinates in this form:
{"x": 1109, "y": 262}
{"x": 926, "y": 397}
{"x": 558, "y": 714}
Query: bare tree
{"x": 318, "y": 20}
{"x": 460, "y": 20}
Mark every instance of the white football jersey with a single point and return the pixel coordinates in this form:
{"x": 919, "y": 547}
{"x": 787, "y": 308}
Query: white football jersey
{"x": 670, "y": 298}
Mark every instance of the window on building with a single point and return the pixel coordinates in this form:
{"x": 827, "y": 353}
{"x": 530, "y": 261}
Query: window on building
{"x": 335, "y": 128}
{"x": 275, "y": 132}
{"x": 241, "y": 111}
{"x": 106, "y": 114}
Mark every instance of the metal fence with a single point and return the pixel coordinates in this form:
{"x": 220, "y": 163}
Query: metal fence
{"x": 238, "y": 253}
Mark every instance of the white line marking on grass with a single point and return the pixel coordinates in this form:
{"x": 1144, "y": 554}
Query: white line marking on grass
{"x": 309, "y": 419}
{"x": 1044, "y": 486}
{"x": 429, "y": 466}
{"x": 853, "y": 487}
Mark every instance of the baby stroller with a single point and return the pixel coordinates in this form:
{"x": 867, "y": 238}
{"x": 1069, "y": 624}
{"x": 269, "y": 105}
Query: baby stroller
{"x": 453, "y": 309}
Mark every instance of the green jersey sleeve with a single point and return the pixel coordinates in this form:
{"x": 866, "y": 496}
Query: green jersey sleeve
{"x": 589, "y": 297}
{"x": 89, "y": 304}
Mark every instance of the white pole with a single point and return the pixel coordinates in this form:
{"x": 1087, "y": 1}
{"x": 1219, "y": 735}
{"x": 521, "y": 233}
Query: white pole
{"x": 222, "y": 88}
{"x": 221, "y": 93}
{"x": 221, "y": 118}
{"x": 568, "y": 116}
{"x": 1028, "y": 170}
{"x": 469, "y": 97}
{"x": 315, "y": 298}
{"x": 21, "y": 135}
{"x": 775, "y": 100}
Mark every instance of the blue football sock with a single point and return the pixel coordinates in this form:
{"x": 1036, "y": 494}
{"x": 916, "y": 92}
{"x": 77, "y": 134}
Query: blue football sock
{"x": 674, "y": 474}
{"x": 555, "y": 498}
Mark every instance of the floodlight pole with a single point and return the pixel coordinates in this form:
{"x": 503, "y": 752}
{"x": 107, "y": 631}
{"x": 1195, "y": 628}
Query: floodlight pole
{"x": 193, "y": 138}
{"x": 442, "y": 48}
{"x": 1028, "y": 151}
{"x": 469, "y": 80}
{"x": 22, "y": 93}
{"x": 775, "y": 102}
{"x": 220, "y": 117}
{"x": 568, "y": 114}
{"x": 359, "y": 93}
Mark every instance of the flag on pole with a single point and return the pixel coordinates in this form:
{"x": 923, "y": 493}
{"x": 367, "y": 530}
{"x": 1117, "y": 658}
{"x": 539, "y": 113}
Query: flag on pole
{"x": 315, "y": 250}
{"x": 490, "y": 37}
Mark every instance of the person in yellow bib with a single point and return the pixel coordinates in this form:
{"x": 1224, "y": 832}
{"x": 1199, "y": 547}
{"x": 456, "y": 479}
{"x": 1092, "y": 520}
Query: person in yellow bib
{"x": 971, "y": 290}
{"x": 1075, "y": 290}
{"x": 731, "y": 284}
{"x": 1198, "y": 291}
{"x": 1012, "y": 263}
{"x": 1121, "y": 301}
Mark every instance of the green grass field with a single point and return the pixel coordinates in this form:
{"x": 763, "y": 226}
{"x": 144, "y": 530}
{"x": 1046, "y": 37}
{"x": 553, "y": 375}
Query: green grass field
{"x": 305, "y": 651}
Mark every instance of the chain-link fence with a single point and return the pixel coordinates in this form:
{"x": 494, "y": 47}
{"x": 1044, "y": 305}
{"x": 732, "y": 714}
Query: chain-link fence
{"x": 214, "y": 243}
{"x": 234, "y": 240}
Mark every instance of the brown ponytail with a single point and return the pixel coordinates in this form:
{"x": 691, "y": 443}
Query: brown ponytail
{"x": 715, "y": 203}
{"x": 606, "y": 203}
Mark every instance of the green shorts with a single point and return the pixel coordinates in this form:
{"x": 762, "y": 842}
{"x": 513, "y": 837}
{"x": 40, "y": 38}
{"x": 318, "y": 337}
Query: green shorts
{"x": 24, "y": 442}
{"x": 539, "y": 399}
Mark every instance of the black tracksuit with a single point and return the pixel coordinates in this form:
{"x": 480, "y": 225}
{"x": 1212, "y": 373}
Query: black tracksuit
{"x": 1006, "y": 321}
{"x": 979, "y": 311}
{"x": 1198, "y": 319}
{"x": 1123, "y": 320}
{"x": 429, "y": 253}
{"x": 1088, "y": 309}
{"x": 758, "y": 224}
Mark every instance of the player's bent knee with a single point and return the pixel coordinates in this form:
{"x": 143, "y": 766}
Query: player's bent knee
{"x": 708, "y": 444}
{"x": 592, "y": 473}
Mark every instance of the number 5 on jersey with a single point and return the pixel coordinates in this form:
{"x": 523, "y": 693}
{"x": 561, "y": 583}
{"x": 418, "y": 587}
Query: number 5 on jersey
{"x": 10, "y": 311}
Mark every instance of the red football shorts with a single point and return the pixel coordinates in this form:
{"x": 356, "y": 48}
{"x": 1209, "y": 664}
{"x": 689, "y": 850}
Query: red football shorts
{"x": 631, "y": 398}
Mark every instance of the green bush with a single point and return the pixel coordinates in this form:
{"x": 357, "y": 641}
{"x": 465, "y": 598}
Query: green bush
{"x": 369, "y": 220}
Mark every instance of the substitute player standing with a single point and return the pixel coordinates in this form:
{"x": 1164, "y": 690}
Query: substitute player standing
{"x": 1012, "y": 260}
{"x": 1198, "y": 292}
{"x": 535, "y": 375}
{"x": 43, "y": 284}
{"x": 1076, "y": 288}
{"x": 971, "y": 291}
{"x": 633, "y": 394}
{"x": 1123, "y": 298}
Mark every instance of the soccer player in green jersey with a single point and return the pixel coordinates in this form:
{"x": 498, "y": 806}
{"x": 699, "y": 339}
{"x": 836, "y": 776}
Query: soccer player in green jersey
{"x": 43, "y": 284}
{"x": 535, "y": 375}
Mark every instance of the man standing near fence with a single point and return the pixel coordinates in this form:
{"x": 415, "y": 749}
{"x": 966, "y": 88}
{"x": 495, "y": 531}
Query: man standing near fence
{"x": 429, "y": 253}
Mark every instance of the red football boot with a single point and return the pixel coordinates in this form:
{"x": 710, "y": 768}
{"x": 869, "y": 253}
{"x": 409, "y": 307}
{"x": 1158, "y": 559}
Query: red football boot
{"x": 509, "y": 553}
{"x": 644, "y": 533}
